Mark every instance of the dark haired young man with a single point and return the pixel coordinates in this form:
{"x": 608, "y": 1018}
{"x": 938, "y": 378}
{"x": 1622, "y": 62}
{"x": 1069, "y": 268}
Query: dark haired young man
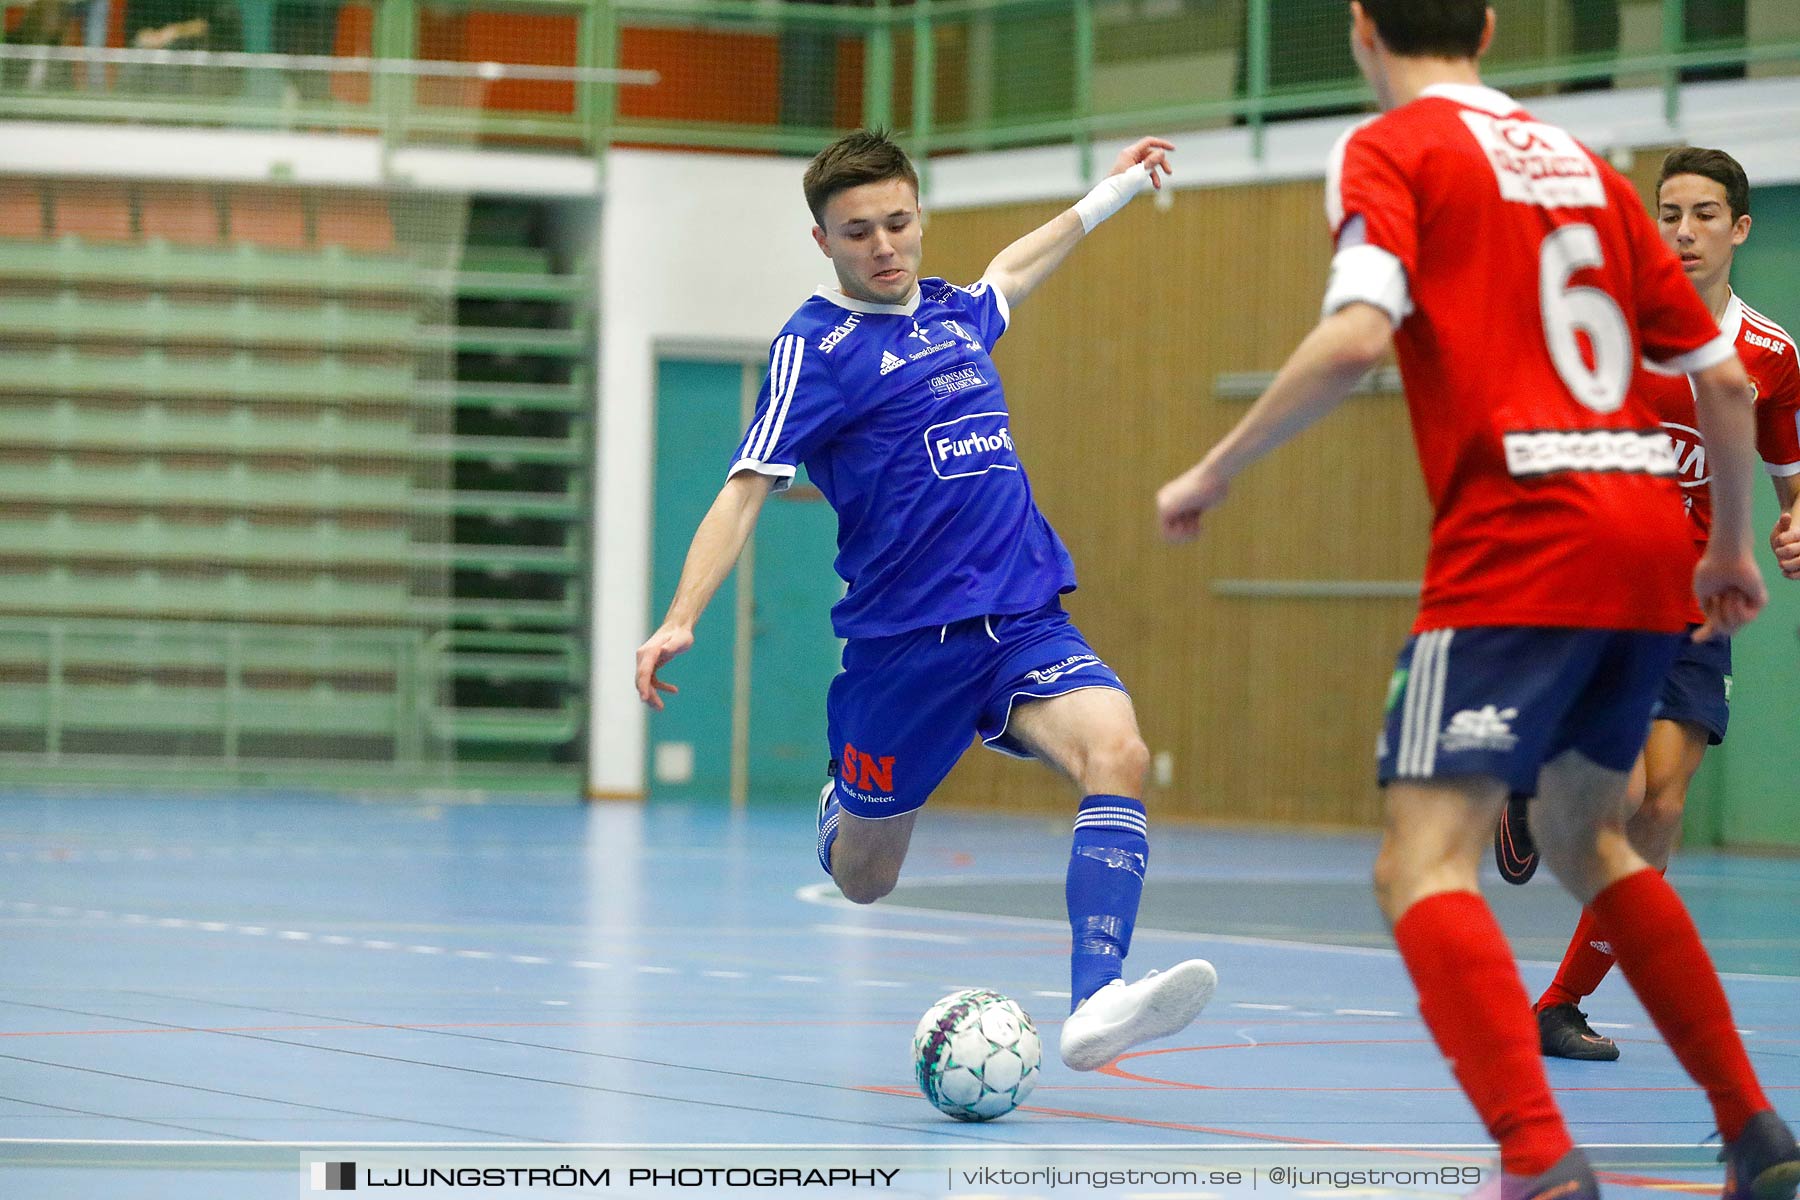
{"x": 1519, "y": 281}
{"x": 953, "y": 626}
{"x": 1703, "y": 213}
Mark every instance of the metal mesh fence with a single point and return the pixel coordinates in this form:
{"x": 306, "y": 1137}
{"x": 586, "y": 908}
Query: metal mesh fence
{"x": 762, "y": 74}
{"x": 518, "y": 73}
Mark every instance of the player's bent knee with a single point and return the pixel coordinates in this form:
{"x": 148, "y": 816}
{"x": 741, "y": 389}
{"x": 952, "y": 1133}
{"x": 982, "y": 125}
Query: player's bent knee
{"x": 868, "y": 886}
{"x": 1664, "y": 804}
{"x": 1118, "y": 763}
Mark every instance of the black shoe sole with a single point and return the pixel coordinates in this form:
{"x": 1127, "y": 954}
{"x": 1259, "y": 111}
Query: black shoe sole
{"x": 1586, "y": 1052}
{"x": 1779, "y": 1182}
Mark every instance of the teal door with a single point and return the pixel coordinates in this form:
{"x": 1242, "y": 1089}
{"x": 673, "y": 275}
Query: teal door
{"x": 749, "y": 723}
{"x": 696, "y": 431}
{"x": 794, "y": 654}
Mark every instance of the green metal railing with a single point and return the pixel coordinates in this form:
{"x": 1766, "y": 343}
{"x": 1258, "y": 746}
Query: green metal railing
{"x": 240, "y": 701}
{"x": 949, "y": 75}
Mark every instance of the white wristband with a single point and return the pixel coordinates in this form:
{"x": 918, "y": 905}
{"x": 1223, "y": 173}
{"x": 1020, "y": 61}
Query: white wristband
{"x": 1110, "y": 195}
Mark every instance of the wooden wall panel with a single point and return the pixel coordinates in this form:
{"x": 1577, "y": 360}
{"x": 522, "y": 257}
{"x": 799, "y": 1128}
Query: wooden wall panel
{"x": 1269, "y": 708}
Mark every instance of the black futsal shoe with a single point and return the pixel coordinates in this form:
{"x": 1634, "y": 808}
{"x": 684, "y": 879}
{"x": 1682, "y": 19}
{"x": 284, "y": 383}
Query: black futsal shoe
{"x": 1514, "y": 852}
{"x": 1569, "y": 1178}
{"x": 1563, "y": 1032}
{"x": 1763, "y": 1163}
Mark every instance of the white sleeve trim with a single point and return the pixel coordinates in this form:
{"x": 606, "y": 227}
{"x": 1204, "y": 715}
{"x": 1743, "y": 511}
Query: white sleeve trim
{"x": 1782, "y": 470}
{"x": 1709, "y": 355}
{"x": 781, "y": 473}
{"x": 976, "y": 288}
{"x": 1369, "y": 275}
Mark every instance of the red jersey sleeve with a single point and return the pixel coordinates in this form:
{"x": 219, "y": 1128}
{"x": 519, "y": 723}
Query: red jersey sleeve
{"x": 1675, "y": 330}
{"x": 1778, "y": 411}
{"x": 1370, "y": 183}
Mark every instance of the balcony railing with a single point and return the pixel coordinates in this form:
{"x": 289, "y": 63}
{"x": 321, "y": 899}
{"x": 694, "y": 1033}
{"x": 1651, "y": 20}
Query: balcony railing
{"x": 774, "y": 76}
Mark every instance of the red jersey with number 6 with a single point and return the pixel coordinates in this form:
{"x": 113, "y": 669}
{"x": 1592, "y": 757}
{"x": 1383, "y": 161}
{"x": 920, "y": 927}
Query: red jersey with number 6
{"x": 1535, "y": 281}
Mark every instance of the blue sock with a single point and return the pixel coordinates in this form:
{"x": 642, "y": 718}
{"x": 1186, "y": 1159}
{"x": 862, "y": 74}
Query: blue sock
{"x": 1106, "y": 877}
{"x": 828, "y": 824}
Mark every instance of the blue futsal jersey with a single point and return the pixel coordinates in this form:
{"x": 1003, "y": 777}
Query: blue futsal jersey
{"x": 897, "y": 413}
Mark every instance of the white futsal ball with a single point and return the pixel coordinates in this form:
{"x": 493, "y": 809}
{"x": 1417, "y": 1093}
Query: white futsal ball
{"x": 976, "y": 1054}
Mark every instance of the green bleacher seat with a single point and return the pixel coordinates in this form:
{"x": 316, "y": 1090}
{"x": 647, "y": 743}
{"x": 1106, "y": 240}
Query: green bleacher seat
{"x": 273, "y": 487}
{"x": 326, "y": 378}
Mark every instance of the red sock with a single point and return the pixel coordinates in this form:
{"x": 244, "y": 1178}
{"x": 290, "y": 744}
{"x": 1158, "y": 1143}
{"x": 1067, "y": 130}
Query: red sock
{"x": 1660, "y": 952}
{"x": 1584, "y": 965}
{"x": 1475, "y": 1005}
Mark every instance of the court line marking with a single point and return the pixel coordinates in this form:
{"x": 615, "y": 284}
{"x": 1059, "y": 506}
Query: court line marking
{"x": 382, "y": 944}
{"x": 826, "y": 895}
{"x": 905, "y": 935}
{"x": 964, "y": 1134}
{"x": 989, "y": 1148}
{"x": 818, "y": 896}
{"x": 212, "y": 1091}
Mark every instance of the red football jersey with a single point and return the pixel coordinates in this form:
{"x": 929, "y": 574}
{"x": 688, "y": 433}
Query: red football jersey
{"x": 1534, "y": 282}
{"x": 1769, "y": 356}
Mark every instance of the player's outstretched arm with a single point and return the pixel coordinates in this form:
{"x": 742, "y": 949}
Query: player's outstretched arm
{"x": 1315, "y": 379}
{"x": 1727, "y": 582}
{"x": 1017, "y": 270}
{"x": 1784, "y": 540}
{"x": 714, "y": 551}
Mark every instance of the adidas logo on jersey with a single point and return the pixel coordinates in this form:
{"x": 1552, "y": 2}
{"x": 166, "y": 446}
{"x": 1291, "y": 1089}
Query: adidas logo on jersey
{"x": 1484, "y": 728}
{"x": 891, "y": 361}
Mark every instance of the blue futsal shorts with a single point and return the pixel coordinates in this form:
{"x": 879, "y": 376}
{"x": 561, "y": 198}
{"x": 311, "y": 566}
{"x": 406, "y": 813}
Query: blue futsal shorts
{"x": 1505, "y": 700}
{"x": 904, "y": 707}
{"x": 1698, "y": 688}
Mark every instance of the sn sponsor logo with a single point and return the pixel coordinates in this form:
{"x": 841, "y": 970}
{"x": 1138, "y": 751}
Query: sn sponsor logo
{"x": 866, "y": 772}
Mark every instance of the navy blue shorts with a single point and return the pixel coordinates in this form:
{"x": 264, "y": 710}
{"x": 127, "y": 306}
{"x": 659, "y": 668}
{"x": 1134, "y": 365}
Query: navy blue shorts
{"x": 904, "y": 707}
{"x": 1505, "y": 700}
{"x": 1698, "y": 688}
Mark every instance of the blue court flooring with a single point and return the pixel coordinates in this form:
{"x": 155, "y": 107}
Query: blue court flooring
{"x": 203, "y": 995}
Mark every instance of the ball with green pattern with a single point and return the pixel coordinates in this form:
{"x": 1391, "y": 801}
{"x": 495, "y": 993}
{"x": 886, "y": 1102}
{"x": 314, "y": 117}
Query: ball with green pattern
{"x": 976, "y": 1053}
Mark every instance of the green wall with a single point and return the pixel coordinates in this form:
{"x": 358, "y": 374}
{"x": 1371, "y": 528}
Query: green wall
{"x": 1746, "y": 794}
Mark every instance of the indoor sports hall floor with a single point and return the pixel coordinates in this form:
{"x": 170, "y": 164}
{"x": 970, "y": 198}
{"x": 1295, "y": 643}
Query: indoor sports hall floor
{"x": 197, "y": 993}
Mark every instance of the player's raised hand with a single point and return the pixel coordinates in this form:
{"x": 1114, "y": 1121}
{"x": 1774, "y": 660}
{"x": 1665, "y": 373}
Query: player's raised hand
{"x": 1182, "y": 501}
{"x": 1153, "y": 152}
{"x": 657, "y": 650}
{"x": 1730, "y": 590}
{"x": 1784, "y": 540}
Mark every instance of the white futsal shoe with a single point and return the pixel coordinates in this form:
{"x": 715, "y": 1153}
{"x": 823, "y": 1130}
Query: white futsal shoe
{"x": 1122, "y": 1015}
